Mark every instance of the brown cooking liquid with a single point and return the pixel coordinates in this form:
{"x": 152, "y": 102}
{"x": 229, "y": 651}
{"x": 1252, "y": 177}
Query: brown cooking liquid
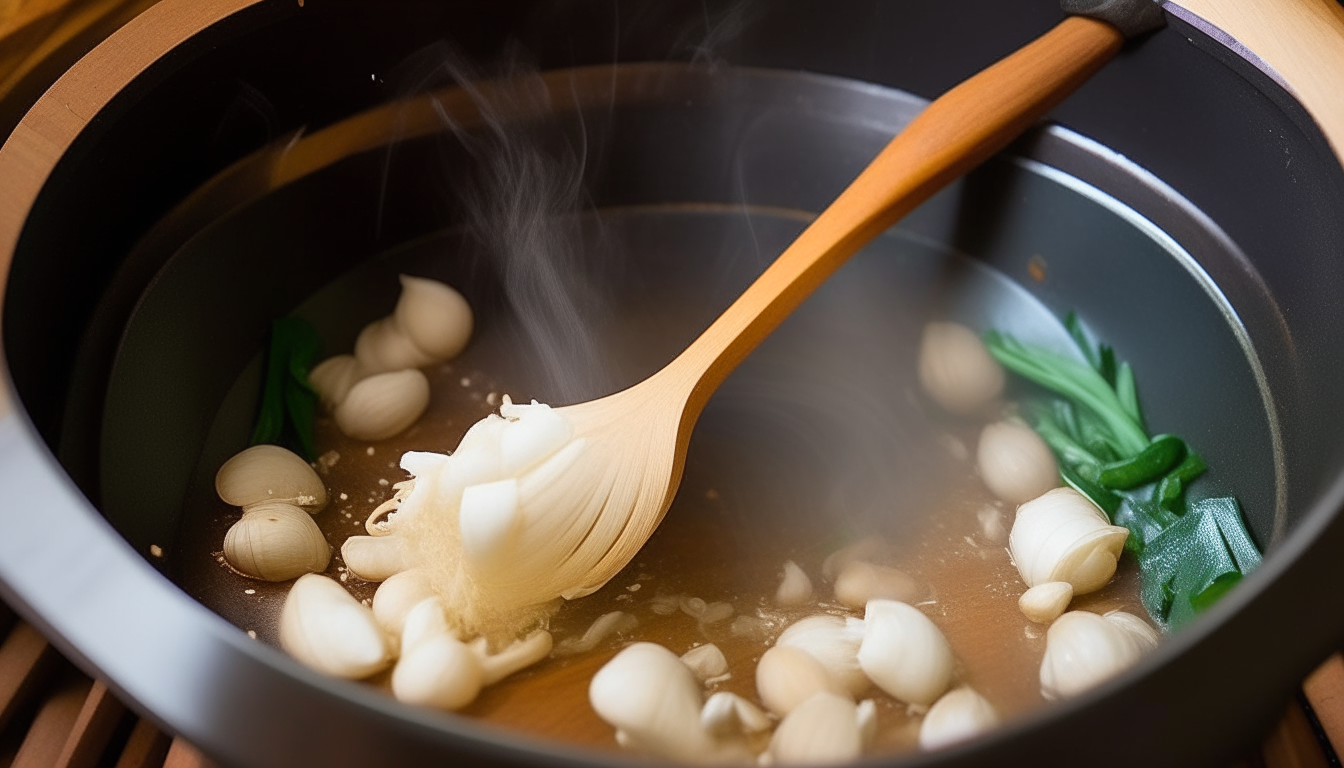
{"x": 973, "y": 588}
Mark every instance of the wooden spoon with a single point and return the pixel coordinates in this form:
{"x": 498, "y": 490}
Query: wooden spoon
{"x": 637, "y": 438}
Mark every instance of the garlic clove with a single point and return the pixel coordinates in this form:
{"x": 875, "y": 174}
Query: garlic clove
{"x": 904, "y": 652}
{"x": 332, "y": 379}
{"x": 794, "y": 588}
{"x": 518, "y": 656}
{"x": 823, "y": 730}
{"x": 425, "y": 621}
{"x": 1143, "y": 633}
{"x": 834, "y": 642}
{"x": 606, "y": 625}
{"x": 488, "y": 521}
{"x": 1061, "y": 536}
{"x": 533, "y": 434}
{"x": 276, "y": 542}
{"x": 869, "y": 548}
{"x": 1083, "y": 650}
{"x": 786, "y": 676}
{"x": 1015, "y": 463}
{"x": 270, "y": 473}
{"x": 860, "y": 582}
{"x": 383, "y": 347}
{"x": 649, "y": 695}
{"x": 434, "y": 316}
{"x": 726, "y": 715}
{"x": 991, "y": 525}
{"x": 383, "y": 405}
{"x": 396, "y": 596}
{"x": 706, "y": 661}
{"x": 374, "y": 558}
{"x": 1044, "y": 603}
{"x": 325, "y": 628}
{"x": 956, "y": 368}
{"x": 440, "y": 672}
{"x": 866, "y": 715}
{"x": 959, "y": 715}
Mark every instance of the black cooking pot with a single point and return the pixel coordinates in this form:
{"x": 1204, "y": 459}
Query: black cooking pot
{"x": 227, "y": 160}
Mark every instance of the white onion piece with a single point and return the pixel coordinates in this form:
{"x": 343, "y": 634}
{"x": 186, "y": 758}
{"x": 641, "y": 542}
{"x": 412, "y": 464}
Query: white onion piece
{"x": 1015, "y": 463}
{"x": 488, "y": 520}
{"x": 1062, "y": 536}
{"x": 726, "y": 714}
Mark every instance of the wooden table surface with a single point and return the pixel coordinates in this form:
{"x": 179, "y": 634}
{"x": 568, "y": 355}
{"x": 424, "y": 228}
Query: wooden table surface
{"x": 51, "y": 714}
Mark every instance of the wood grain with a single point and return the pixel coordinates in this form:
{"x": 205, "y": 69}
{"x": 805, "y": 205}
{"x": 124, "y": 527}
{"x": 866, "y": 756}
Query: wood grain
{"x": 25, "y": 660}
{"x": 1303, "y": 40}
{"x": 147, "y": 747}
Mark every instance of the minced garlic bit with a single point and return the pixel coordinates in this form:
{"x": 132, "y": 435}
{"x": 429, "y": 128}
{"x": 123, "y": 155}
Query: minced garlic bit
{"x": 156, "y": 550}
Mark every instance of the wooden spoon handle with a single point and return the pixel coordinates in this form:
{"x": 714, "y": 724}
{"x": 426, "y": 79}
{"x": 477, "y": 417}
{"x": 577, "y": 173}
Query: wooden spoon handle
{"x": 955, "y": 133}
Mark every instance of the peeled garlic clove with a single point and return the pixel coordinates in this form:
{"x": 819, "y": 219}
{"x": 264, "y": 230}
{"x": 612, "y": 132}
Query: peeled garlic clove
{"x": 520, "y": 655}
{"x": 864, "y": 549}
{"x": 397, "y": 596}
{"x": 794, "y": 588}
{"x": 332, "y": 379}
{"x": 276, "y": 542}
{"x": 787, "y": 676}
{"x": 647, "y": 693}
{"x": 726, "y": 714}
{"x": 1015, "y": 463}
{"x": 866, "y": 714}
{"x": 325, "y": 628}
{"x": 823, "y": 730}
{"x": 1143, "y": 632}
{"x": 959, "y": 715}
{"x": 1083, "y": 650}
{"x": 533, "y": 434}
{"x": 383, "y": 347}
{"x": 834, "y": 642}
{"x": 956, "y": 369}
{"x": 904, "y": 652}
{"x": 374, "y": 558}
{"x": 383, "y": 405}
{"x": 706, "y": 661}
{"x": 434, "y": 316}
{"x": 1044, "y": 603}
{"x": 860, "y": 582}
{"x": 425, "y": 621}
{"x": 439, "y": 672}
{"x": 488, "y": 520}
{"x": 1062, "y": 536}
{"x": 270, "y": 473}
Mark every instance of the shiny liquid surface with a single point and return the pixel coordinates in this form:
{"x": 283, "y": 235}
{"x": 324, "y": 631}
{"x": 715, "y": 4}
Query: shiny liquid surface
{"x": 820, "y": 439}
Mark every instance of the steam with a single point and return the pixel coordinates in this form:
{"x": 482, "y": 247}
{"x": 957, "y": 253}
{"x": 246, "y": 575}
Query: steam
{"x": 518, "y": 202}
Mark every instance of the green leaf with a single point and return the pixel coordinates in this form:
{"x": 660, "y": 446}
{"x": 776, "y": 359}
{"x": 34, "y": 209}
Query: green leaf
{"x": 1105, "y": 500}
{"x": 1161, "y": 455}
{"x": 1076, "y": 381}
{"x": 288, "y": 402}
{"x": 1127, "y": 391}
{"x": 1210, "y": 594}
